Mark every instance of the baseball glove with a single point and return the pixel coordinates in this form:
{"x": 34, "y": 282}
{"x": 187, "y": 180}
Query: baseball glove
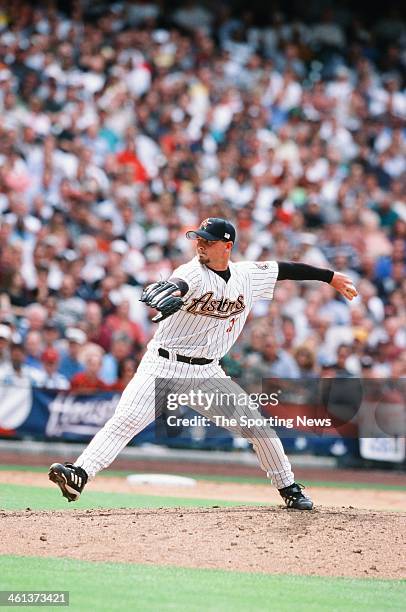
{"x": 160, "y": 296}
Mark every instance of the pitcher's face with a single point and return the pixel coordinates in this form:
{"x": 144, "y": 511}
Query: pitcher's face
{"x": 213, "y": 253}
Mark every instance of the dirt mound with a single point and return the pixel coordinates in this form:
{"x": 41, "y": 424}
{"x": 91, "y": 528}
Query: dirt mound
{"x": 327, "y": 541}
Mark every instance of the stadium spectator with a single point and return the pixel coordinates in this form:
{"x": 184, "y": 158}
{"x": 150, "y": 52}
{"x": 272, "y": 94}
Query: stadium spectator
{"x": 14, "y": 372}
{"x": 126, "y": 370}
{"x": 69, "y": 364}
{"x": 50, "y": 334}
{"x": 5, "y": 337}
{"x": 305, "y": 359}
{"x": 96, "y": 331}
{"x": 120, "y": 321}
{"x": 276, "y": 362}
{"x": 50, "y": 377}
{"x": 121, "y": 128}
{"x": 89, "y": 381}
{"x": 33, "y": 349}
{"x": 121, "y": 348}
{"x": 71, "y": 308}
{"x": 34, "y": 319}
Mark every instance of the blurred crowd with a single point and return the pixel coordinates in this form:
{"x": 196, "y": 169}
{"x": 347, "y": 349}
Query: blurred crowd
{"x": 124, "y": 125}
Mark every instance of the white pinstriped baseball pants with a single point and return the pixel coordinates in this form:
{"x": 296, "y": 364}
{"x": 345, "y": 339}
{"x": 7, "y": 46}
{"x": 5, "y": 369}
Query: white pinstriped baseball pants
{"x": 136, "y": 410}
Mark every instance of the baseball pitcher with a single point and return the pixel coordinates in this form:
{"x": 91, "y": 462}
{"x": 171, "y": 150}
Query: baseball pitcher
{"x": 202, "y": 310}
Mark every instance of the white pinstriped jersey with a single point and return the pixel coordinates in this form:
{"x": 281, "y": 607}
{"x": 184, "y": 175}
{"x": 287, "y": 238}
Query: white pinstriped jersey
{"x": 215, "y": 311}
{"x": 208, "y": 324}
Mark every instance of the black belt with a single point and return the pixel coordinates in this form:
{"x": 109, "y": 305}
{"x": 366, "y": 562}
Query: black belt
{"x": 192, "y": 360}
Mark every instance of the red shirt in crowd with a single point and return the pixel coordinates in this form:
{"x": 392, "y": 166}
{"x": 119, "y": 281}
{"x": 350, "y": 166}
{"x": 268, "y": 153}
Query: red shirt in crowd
{"x": 129, "y": 158}
{"x": 83, "y": 382}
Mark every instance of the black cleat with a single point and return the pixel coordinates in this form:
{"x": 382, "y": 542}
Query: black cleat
{"x": 70, "y": 478}
{"x": 294, "y": 498}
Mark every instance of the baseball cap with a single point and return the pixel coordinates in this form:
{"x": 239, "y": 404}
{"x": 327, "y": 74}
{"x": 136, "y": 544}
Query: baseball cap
{"x": 308, "y": 238}
{"x": 16, "y": 340}
{"x": 5, "y": 332}
{"x": 50, "y": 355}
{"x": 74, "y": 334}
{"x": 366, "y": 361}
{"x": 360, "y": 334}
{"x": 68, "y": 255}
{"x": 327, "y": 362}
{"x": 119, "y": 246}
{"x": 214, "y": 228}
{"x": 50, "y": 324}
{"x": 7, "y": 319}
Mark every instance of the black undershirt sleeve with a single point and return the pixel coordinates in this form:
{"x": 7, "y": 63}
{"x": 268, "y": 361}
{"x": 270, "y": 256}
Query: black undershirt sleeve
{"x": 289, "y": 270}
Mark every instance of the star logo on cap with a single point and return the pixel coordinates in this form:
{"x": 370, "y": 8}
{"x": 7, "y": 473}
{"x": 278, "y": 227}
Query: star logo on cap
{"x": 205, "y": 223}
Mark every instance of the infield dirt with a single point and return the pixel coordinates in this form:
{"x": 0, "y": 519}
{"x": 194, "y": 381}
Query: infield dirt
{"x": 361, "y": 498}
{"x": 329, "y": 541}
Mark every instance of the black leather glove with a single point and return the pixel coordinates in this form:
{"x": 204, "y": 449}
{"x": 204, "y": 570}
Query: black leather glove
{"x": 160, "y": 296}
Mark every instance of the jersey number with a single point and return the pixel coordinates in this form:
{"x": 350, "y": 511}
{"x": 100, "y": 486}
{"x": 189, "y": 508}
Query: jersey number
{"x": 230, "y": 327}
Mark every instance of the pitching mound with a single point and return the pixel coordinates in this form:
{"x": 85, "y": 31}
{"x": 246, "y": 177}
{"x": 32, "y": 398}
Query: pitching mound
{"x": 327, "y": 541}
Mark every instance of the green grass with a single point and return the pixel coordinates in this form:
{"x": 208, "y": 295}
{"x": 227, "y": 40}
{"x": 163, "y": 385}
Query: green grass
{"x": 20, "y": 497}
{"x": 378, "y": 486}
{"x": 117, "y": 586}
